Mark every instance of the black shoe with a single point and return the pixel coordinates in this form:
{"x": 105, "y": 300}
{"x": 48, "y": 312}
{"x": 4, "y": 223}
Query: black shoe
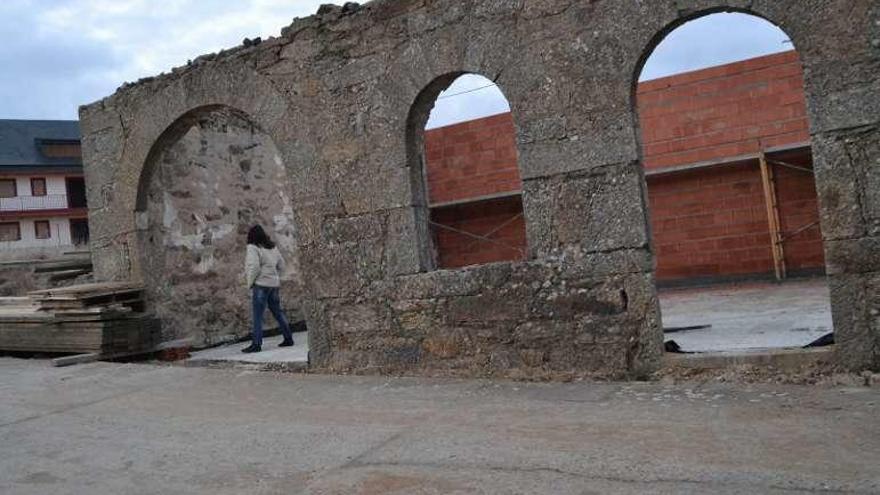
{"x": 286, "y": 343}
{"x": 251, "y": 348}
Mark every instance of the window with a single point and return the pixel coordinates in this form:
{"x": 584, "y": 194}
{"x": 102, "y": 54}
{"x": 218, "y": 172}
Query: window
{"x": 472, "y": 185}
{"x": 38, "y": 187}
{"x": 8, "y": 188}
{"x": 76, "y": 192}
{"x": 42, "y": 229}
{"x": 61, "y": 149}
{"x": 79, "y": 231}
{"x": 10, "y": 232}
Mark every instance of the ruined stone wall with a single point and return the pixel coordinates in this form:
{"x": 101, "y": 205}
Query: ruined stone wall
{"x": 213, "y": 175}
{"x": 344, "y": 95}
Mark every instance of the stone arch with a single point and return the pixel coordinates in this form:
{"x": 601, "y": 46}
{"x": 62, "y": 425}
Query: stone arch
{"x": 141, "y": 121}
{"x": 172, "y": 133}
{"x": 208, "y": 177}
{"x": 805, "y": 47}
{"x": 236, "y": 88}
{"x": 417, "y": 118}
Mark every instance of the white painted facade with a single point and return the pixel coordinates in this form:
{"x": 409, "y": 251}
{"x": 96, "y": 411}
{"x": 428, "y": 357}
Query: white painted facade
{"x": 25, "y": 202}
{"x": 59, "y": 229}
{"x": 55, "y": 198}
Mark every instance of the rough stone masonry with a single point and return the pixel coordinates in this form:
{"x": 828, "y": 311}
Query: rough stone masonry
{"x": 318, "y": 135}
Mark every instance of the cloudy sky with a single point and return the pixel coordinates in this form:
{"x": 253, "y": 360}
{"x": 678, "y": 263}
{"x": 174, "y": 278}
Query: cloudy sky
{"x": 712, "y": 40}
{"x": 58, "y": 54}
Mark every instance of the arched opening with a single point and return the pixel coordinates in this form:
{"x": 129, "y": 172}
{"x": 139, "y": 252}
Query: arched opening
{"x": 462, "y": 150}
{"x": 734, "y": 218}
{"x": 209, "y": 177}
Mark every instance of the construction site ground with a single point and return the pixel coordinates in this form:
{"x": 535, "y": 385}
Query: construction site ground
{"x": 110, "y": 428}
{"x": 745, "y": 317}
{"x": 296, "y": 357}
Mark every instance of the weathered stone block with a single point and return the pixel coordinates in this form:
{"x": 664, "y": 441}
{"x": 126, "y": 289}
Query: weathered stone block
{"x": 847, "y": 167}
{"x": 488, "y": 308}
{"x": 855, "y": 299}
{"x": 361, "y": 319}
{"x": 598, "y": 211}
{"x": 316, "y": 140}
{"x": 852, "y": 255}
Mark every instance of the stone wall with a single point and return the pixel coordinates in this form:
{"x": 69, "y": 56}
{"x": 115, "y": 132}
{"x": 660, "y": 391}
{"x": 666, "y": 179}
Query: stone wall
{"x": 344, "y": 96}
{"x": 211, "y": 176}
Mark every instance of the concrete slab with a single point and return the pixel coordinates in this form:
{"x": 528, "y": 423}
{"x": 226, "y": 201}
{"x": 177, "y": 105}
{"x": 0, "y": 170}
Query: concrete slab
{"x": 777, "y": 359}
{"x": 271, "y": 356}
{"x": 748, "y": 316}
{"x": 107, "y": 428}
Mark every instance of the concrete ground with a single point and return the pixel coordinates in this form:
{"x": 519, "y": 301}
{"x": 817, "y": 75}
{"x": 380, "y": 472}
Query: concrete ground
{"x": 141, "y": 429}
{"x": 271, "y": 354}
{"x": 748, "y": 316}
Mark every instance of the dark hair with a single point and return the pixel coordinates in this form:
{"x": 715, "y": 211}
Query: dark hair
{"x": 258, "y": 237}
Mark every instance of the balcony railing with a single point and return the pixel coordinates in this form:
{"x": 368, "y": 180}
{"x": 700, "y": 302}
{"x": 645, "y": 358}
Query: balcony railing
{"x": 28, "y": 203}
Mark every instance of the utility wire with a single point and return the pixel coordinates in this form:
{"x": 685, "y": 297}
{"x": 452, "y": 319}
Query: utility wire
{"x": 466, "y": 92}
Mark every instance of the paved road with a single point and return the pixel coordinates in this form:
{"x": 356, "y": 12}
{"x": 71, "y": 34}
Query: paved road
{"x": 138, "y": 429}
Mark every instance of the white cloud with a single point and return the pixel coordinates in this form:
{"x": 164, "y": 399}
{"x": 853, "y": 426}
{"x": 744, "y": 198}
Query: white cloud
{"x": 469, "y": 97}
{"x": 152, "y": 37}
{"x": 114, "y": 41}
{"x": 58, "y": 54}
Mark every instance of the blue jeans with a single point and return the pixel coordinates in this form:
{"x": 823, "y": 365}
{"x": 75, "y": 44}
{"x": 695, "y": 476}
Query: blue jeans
{"x": 262, "y": 297}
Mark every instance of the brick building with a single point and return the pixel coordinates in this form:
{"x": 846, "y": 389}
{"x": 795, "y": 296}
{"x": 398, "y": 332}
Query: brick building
{"x": 705, "y": 135}
{"x": 42, "y": 190}
{"x": 474, "y": 187}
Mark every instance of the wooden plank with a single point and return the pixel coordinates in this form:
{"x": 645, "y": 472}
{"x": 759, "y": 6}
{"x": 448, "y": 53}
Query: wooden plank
{"x": 90, "y": 357}
{"x": 81, "y": 337}
{"x": 15, "y": 302}
{"x": 770, "y": 200}
{"x": 175, "y": 344}
{"x": 61, "y": 266}
{"x": 90, "y": 299}
{"x": 50, "y": 340}
{"x": 87, "y": 290}
{"x": 84, "y": 304}
{"x": 85, "y": 319}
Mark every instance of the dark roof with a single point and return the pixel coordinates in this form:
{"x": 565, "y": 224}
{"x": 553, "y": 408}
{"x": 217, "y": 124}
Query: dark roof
{"x": 20, "y": 142}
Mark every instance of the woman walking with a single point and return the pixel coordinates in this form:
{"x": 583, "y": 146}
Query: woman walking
{"x": 263, "y": 268}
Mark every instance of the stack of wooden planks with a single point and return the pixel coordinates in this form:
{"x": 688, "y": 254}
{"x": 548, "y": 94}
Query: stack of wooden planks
{"x": 106, "y": 319}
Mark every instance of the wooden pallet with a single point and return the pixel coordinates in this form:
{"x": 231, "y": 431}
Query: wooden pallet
{"x": 140, "y": 334}
{"x": 104, "y": 319}
{"x": 89, "y": 295}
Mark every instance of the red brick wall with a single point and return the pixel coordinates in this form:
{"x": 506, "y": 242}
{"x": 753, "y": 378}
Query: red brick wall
{"x": 482, "y": 218}
{"x": 472, "y": 159}
{"x": 725, "y": 111}
{"x": 713, "y": 222}
{"x": 710, "y": 222}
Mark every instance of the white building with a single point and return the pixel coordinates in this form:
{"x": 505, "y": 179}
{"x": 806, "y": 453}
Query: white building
{"x": 42, "y": 192}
